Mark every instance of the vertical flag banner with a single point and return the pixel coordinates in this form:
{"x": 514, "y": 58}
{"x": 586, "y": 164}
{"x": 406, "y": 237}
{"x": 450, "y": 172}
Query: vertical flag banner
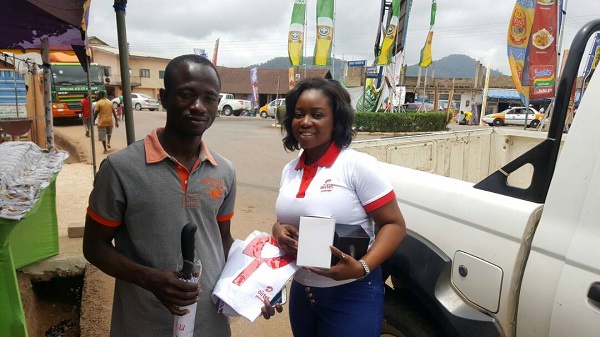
{"x": 215, "y": 53}
{"x": 324, "y": 32}
{"x": 389, "y": 41}
{"x": 254, "y": 84}
{"x": 519, "y": 30}
{"x": 291, "y": 78}
{"x": 541, "y": 54}
{"x": 426, "y": 57}
{"x": 296, "y": 33}
{"x": 592, "y": 62}
{"x": 201, "y": 52}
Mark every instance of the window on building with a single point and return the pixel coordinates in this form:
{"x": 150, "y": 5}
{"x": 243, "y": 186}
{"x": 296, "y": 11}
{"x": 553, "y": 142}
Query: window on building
{"x": 145, "y": 73}
{"x": 161, "y": 74}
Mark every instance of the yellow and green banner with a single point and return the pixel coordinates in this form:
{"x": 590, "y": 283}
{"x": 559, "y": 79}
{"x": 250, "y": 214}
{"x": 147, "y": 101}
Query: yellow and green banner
{"x": 426, "y": 57}
{"x": 389, "y": 41}
{"x": 324, "y": 42}
{"x": 296, "y": 33}
{"x": 519, "y": 30}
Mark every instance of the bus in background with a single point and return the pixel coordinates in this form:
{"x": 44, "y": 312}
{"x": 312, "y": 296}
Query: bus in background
{"x": 69, "y": 83}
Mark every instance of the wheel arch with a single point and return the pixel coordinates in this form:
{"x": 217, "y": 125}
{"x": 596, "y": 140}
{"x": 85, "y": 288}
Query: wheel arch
{"x": 425, "y": 270}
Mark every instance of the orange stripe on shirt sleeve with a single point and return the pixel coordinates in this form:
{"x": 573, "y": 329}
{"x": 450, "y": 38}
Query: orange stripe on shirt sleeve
{"x": 380, "y": 202}
{"x": 225, "y": 217}
{"x": 99, "y": 219}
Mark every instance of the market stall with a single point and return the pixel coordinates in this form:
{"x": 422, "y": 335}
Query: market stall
{"x": 28, "y": 221}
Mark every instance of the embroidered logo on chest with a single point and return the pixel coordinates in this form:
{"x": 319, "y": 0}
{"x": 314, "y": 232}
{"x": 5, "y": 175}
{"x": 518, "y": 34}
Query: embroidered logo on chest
{"x": 327, "y": 186}
{"x": 214, "y": 188}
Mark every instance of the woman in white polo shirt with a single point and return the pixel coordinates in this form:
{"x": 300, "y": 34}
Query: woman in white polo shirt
{"x": 331, "y": 179}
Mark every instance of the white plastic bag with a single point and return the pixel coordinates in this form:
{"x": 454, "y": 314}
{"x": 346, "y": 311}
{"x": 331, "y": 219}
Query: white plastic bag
{"x": 256, "y": 269}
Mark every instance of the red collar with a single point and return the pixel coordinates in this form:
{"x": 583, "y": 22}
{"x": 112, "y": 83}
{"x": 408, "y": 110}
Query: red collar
{"x": 326, "y": 160}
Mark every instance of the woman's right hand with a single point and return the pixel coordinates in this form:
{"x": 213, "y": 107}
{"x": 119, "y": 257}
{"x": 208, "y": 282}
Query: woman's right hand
{"x": 287, "y": 237}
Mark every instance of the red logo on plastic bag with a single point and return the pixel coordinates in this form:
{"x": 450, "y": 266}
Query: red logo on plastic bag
{"x": 254, "y": 249}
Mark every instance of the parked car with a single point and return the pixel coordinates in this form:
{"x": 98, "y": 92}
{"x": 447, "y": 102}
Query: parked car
{"x": 417, "y": 106}
{"x": 139, "y": 102}
{"x": 515, "y": 116}
{"x": 270, "y": 109}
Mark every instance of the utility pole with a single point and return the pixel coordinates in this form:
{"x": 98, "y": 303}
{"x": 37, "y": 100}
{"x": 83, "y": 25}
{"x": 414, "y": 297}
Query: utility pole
{"x": 119, "y": 7}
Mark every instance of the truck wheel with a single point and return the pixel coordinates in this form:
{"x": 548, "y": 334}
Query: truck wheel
{"x": 534, "y": 123}
{"x": 498, "y": 122}
{"x": 263, "y": 114}
{"x": 405, "y": 316}
{"x": 227, "y": 110}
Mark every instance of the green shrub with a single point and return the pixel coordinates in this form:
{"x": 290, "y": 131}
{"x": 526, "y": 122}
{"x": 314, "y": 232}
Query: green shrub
{"x": 280, "y": 114}
{"x": 401, "y": 121}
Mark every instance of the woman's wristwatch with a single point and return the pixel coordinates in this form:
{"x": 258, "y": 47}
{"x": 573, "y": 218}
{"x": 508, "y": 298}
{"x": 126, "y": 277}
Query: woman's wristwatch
{"x": 366, "y": 268}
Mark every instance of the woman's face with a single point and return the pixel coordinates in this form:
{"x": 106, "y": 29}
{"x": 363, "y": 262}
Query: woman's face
{"x": 312, "y": 124}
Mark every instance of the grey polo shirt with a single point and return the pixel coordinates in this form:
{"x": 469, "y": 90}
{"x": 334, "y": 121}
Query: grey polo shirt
{"x": 150, "y": 197}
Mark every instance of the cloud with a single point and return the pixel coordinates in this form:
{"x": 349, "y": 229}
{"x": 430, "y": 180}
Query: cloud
{"x": 253, "y": 32}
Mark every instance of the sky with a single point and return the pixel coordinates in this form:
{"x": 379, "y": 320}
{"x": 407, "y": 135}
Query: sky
{"x": 253, "y": 32}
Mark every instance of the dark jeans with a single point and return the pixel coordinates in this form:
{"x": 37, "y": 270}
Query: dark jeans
{"x": 351, "y": 310}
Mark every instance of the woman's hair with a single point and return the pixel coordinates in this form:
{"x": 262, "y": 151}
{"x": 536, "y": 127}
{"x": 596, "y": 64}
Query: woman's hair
{"x": 341, "y": 105}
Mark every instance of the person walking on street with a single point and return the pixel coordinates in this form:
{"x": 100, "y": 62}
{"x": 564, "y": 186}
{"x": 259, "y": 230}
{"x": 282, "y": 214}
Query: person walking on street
{"x": 85, "y": 113}
{"x": 331, "y": 179}
{"x": 146, "y": 193}
{"x": 105, "y": 112}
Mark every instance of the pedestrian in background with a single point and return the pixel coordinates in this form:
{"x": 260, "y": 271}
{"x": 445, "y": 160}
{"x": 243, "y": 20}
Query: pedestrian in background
{"x": 146, "y": 193}
{"x": 85, "y": 113}
{"x": 346, "y": 300}
{"x": 104, "y": 112}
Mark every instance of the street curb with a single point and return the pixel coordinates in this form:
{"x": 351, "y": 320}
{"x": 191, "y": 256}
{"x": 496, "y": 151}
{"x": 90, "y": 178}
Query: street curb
{"x": 77, "y": 154}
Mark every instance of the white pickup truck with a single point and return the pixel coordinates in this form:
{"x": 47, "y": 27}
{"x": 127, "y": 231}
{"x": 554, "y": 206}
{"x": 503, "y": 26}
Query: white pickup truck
{"x": 515, "y": 253}
{"x": 229, "y": 105}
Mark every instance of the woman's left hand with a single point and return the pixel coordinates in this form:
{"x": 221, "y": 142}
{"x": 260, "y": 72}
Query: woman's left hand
{"x": 347, "y": 267}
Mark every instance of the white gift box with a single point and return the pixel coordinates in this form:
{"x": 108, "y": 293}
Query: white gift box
{"x": 314, "y": 238}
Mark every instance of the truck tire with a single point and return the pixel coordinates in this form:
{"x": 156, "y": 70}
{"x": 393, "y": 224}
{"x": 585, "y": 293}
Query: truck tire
{"x": 405, "y": 316}
{"x": 227, "y": 111}
{"x": 498, "y": 122}
{"x": 534, "y": 123}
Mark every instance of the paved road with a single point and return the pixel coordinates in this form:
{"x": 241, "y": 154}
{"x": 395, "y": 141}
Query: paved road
{"x": 252, "y": 144}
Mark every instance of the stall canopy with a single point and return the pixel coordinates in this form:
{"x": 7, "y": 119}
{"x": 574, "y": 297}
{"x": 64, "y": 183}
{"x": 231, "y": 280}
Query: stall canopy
{"x": 43, "y": 26}
{"x": 26, "y": 23}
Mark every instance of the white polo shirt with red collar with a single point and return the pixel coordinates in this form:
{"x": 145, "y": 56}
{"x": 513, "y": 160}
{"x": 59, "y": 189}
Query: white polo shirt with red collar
{"x": 344, "y": 184}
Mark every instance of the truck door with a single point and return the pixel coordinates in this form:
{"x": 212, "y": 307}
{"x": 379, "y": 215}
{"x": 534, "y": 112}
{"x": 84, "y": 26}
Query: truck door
{"x": 560, "y": 293}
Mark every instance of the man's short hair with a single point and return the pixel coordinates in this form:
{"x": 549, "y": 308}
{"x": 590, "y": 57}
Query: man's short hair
{"x": 191, "y": 58}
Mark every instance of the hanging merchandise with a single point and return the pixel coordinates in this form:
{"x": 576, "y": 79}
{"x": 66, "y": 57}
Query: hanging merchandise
{"x": 324, "y": 42}
{"x": 296, "y": 33}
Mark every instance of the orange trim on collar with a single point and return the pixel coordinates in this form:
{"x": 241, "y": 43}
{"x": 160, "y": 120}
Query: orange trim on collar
{"x": 155, "y": 152}
{"x": 326, "y": 160}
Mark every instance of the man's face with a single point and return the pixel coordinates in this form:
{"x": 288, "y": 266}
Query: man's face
{"x": 192, "y": 99}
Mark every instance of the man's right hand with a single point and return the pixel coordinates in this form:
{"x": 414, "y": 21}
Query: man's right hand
{"x": 172, "y": 292}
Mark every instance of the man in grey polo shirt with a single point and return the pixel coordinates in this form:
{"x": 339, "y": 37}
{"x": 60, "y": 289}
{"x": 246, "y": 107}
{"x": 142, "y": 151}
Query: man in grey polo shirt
{"x": 143, "y": 196}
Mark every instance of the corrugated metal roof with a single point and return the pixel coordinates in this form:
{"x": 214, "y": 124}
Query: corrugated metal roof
{"x": 506, "y": 94}
{"x": 115, "y": 51}
{"x": 237, "y": 80}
